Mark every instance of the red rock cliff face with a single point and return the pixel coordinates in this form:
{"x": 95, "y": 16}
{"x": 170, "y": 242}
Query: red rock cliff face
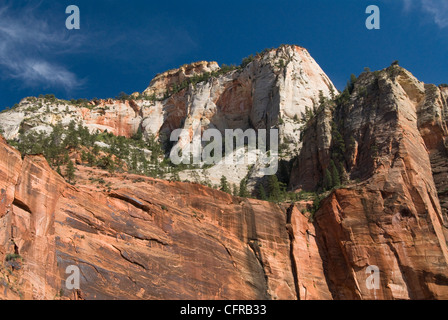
{"x": 141, "y": 239}
{"x": 393, "y": 126}
{"x": 121, "y": 118}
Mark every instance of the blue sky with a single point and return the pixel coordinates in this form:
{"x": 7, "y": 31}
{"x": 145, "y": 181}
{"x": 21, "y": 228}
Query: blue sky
{"x": 122, "y": 45}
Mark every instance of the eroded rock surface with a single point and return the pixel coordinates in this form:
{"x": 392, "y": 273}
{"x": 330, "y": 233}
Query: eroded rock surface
{"x": 272, "y": 91}
{"x": 388, "y": 214}
{"x": 139, "y": 239}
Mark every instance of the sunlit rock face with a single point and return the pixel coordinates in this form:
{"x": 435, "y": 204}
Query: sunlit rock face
{"x": 270, "y": 92}
{"x": 136, "y": 237}
{"x": 391, "y": 213}
{"x": 141, "y": 239}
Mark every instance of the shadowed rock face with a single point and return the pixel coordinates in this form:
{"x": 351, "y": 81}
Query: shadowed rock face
{"x": 394, "y": 131}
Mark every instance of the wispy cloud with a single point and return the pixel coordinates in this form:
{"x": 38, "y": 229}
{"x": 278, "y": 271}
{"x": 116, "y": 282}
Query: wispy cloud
{"x": 435, "y": 10}
{"x": 28, "y": 48}
{"x": 438, "y": 10}
{"x": 407, "y": 4}
{"x": 39, "y": 71}
{"x": 36, "y": 48}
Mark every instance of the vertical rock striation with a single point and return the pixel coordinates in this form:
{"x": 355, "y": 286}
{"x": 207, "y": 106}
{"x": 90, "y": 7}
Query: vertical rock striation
{"x": 389, "y": 214}
{"x": 142, "y": 239}
{"x": 134, "y": 237}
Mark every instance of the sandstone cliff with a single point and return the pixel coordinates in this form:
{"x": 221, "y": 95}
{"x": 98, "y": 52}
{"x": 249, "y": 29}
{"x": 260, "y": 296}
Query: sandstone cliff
{"x": 133, "y": 237}
{"x": 139, "y": 238}
{"x": 388, "y": 213}
{"x": 272, "y": 91}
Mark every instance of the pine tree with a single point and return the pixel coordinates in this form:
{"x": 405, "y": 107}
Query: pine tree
{"x": 134, "y": 161}
{"x": 274, "y": 188}
{"x": 321, "y": 97}
{"x": 335, "y": 178}
{"x": 244, "y": 193}
{"x": 56, "y": 135}
{"x": 351, "y": 83}
{"x": 144, "y": 162}
{"x": 138, "y": 135}
{"x": 353, "y": 79}
{"x": 224, "y": 185}
{"x": 108, "y": 163}
{"x": 70, "y": 171}
{"x": 236, "y": 190}
{"x": 328, "y": 182}
{"x": 91, "y": 159}
{"x": 58, "y": 170}
{"x": 332, "y": 93}
{"x": 262, "y": 193}
{"x": 71, "y": 139}
{"x": 96, "y": 149}
{"x": 66, "y": 157}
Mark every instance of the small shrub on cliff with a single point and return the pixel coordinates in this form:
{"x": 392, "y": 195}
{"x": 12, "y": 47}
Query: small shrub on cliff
{"x": 308, "y": 114}
{"x": 280, "y": 121}
{"x": 225, "y": 69}
{"x": 317, "y": 202}
{"x": 12, "y": 257}
{"x": 343, "y": 98}
{"x": 122, "y": 96}
{"x": 281, "y": 64}
{"x": 246, "y": 61}
{"x": 351, "y": 83}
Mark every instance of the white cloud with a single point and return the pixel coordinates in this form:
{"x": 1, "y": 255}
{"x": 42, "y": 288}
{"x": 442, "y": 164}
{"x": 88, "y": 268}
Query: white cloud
{"x": 33, "y": 72}
{"x": 438, "y": 10}
{"x": 435, "y": 10}
{"x": 28, "y": 48}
